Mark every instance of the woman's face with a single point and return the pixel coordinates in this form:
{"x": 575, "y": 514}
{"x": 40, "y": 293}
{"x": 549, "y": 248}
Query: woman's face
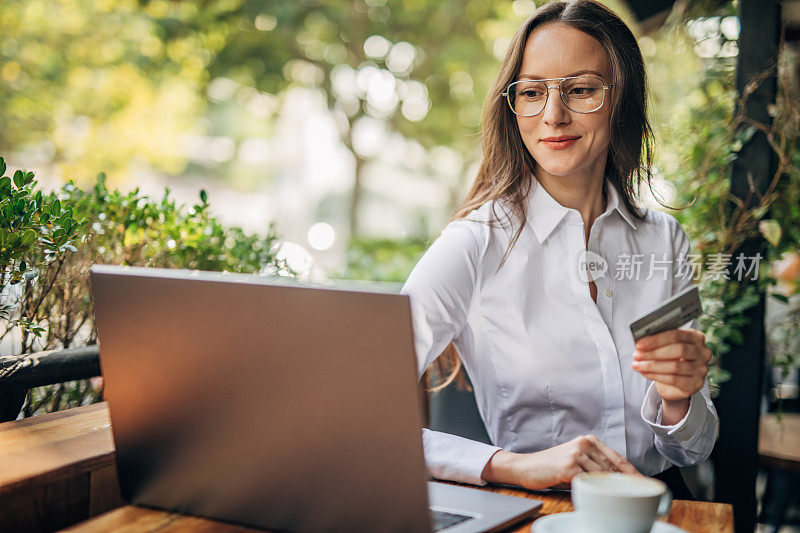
{"x": 557, "y": 51}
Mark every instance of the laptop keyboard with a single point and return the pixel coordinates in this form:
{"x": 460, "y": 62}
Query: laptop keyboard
{"x": 442, "y": 519}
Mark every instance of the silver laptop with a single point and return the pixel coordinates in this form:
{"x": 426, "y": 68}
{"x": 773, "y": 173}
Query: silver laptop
{"x": 273, "y": 404}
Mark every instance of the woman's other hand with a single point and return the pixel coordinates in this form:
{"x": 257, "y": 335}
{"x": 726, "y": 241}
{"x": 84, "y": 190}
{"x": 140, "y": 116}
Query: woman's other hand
{"x": 677, "y": 361}
{"x": 555, "y": 466}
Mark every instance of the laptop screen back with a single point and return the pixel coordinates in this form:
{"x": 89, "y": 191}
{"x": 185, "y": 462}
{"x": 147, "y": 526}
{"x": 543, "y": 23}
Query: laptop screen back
{"x": 282, "y": 406}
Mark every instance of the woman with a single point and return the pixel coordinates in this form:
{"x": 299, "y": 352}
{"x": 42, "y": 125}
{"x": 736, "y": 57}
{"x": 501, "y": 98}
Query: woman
{"x": 559, "y": 384}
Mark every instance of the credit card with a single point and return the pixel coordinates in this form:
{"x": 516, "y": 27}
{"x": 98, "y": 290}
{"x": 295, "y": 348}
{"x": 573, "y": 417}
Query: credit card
{"x": 672, "y": 314}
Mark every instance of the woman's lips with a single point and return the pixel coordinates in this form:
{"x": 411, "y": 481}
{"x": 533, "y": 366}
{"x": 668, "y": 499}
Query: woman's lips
{"x": 561, "y": 142}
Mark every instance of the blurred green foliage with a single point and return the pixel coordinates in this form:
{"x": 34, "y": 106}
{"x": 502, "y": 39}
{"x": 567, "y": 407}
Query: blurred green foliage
{"x": 423, "y": 67}
{"x": 94, "y": 86}
{"x": 90, "y": 85}
{"x": 382, "y": 259}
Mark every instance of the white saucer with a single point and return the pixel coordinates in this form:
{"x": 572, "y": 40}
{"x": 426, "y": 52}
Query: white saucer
{"x": 568, "y": 522}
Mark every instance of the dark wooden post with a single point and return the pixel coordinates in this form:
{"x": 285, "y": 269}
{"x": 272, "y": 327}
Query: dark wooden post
{"x": 738, "y": 404}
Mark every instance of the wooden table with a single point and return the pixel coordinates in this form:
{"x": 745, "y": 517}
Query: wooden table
{"x": 779, "y": 441}
{"x": 700, "y": 517}
{"x": 779, "y": 454}
{"x": 59, "y": 469}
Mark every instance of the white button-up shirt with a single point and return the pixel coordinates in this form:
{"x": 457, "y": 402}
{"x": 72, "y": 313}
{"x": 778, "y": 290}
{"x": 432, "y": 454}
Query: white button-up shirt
{"x": 546, "y": 362}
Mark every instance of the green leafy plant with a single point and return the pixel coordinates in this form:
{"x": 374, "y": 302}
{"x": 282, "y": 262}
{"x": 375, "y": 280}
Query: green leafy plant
{"x": 49, "y": 241}
{"x": 708, "y": 137}
{"x": 36, "y": 231}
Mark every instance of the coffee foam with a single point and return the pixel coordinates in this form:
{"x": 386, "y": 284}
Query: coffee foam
{"x": 621, "y": 485}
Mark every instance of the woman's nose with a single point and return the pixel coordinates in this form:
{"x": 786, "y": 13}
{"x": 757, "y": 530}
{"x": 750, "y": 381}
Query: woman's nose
{"x": 555, "y": 112}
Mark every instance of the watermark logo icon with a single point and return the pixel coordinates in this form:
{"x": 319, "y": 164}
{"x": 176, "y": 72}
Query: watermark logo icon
{"x": 591, "y": 266}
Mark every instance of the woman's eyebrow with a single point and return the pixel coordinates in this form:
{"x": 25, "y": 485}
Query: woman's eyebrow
{"x": 578, "y": 73}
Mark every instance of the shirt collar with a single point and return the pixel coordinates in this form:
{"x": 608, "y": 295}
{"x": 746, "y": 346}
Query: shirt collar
{"x": 544, "y": 213}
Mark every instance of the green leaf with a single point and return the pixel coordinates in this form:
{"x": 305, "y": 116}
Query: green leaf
{"x": 55, "y": 209}
{"x": 19, "y": 178}
{"x": 781, "y": 297}
{"x": 203, "y": 196}
{"x": 2, "y": 166}
{"x": 771, "y": 230}
{"x": 28, "y": 237}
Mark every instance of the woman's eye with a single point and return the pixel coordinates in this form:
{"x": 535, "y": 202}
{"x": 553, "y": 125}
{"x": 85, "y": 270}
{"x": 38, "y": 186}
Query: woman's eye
{"x": 580, "y": 91}
{"x": 531, "y": 93}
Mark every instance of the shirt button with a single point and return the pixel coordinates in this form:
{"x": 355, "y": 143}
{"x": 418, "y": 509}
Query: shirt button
{"x": 608, "y": 293}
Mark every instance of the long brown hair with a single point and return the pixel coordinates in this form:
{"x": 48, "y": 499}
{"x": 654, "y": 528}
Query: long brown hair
{"x": 507, "y": 167}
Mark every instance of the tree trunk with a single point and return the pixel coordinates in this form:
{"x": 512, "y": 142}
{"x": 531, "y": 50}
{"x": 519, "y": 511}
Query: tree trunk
{"x": 355, "y": 199}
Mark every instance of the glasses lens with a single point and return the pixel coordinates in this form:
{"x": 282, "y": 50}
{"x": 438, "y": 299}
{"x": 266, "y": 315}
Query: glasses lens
{"x": 527, "y": 97}
{"x": 584, "y": 94}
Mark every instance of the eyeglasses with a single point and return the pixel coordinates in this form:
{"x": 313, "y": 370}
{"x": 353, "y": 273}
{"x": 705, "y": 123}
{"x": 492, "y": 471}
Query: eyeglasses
{"x": 581, "y": 94}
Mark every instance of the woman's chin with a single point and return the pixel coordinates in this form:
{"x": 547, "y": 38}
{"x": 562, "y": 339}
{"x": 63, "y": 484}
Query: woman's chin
{"x": 559, "y": 170}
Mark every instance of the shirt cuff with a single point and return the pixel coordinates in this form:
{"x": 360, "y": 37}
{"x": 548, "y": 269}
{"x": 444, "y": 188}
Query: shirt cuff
{"x": 455, "y": 458}
{"x": 687, "y": 430}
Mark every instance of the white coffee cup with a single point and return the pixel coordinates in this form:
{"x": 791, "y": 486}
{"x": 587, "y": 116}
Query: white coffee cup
{"x": 609, "y": 502}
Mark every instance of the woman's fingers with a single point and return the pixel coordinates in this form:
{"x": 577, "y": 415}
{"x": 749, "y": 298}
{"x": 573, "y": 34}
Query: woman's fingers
{"x": 688, "y": 384}
{"x": 688, "y": 336}
{"x": 672, "y": 366}
{"x": 617, "y": 461}
{"x": 599, "y": 459}
{"x": 588, "y": 464}
{"x": 590, "y": 445}
{"x": 680, "y": 350}
{"x": 683, "y": 364}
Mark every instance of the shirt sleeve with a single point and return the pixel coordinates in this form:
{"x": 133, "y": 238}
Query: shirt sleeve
{"x": 690, "y": 440}
{"x": 441, "y": 288}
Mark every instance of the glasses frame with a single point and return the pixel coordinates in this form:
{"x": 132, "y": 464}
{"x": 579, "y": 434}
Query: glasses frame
{"x": 560, "y": 81}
